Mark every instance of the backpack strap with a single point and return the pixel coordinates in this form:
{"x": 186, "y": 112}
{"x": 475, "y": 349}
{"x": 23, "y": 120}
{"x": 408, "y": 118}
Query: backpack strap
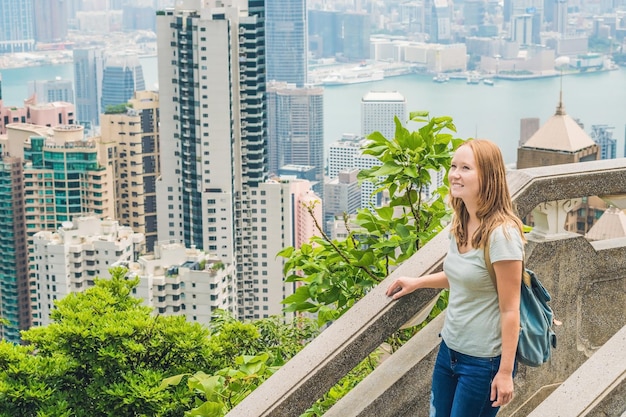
{"x": 492, "y": 272}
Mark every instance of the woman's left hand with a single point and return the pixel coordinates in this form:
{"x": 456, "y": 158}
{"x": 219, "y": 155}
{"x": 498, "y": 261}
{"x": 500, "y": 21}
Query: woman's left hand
{"x": 502, "y": 389}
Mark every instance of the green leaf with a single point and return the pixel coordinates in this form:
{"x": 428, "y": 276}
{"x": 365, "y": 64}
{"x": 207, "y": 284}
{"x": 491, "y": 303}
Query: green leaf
{"x": 287, "y": 252}
{"x": 173, "y": 380}
{"x": 387, "y": 169}
{"x": 385, "y": 213}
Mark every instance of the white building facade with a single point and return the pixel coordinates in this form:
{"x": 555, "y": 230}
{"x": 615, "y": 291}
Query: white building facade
{"x": 176, "y": 280}
{"x": 378, "y": 109}
{"x": 68, "y": 261}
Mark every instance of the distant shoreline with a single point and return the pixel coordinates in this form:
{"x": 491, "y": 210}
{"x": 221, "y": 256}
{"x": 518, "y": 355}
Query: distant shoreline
{"x": 46, "y": 61}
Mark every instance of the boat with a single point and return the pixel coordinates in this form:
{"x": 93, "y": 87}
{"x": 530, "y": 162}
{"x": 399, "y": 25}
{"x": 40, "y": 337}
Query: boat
{"x": 488, "y": 81}
{"x": 441, "y": 78}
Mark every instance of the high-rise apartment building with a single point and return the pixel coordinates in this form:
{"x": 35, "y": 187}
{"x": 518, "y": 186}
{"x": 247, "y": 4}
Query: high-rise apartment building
{"x": 296, "y": 128}
{"x": 121, "y": 77}
{"x": 14, "y": 288}
{"x": 279, "y": 219}
{"x": 214, "y": 192}
{"x": 16, "y": 26}
{"x": 59, "y": 178}
{"x": 342, "y": 154}
{"x": 88, "y": 68}
{"x": 213, "y": 128}
{"x": 65, "y": 179}
{"x": 286, "y": 40}
{"x": 346, "y": 154}
{"x": 378, "y": 109}
{"x": 132, "y": 136}
{"x": 49, "y": 91}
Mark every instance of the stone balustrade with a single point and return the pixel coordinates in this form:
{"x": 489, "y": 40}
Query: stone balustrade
{"x": 587, "y": 282}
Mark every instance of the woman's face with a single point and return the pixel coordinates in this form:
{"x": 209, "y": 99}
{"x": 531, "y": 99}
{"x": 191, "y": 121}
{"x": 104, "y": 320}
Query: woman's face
{"x": 463, "y": 175}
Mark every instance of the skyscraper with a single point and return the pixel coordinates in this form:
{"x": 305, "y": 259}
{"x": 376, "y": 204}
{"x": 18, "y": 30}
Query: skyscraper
{"x": 61, "y": 179}
{"x": 324, "y": 31}
{"x": 88, "y": 85}
{"x": 14, "y": 291}
{"x": 50, "y": 20}
{"x": 16, "y": 26}
{"x": 441, "y": 28}
{"x": 296, "y": 128}
{"x": 134, "y": 136}
{"x": 213, "y": 127}
{"x": 356, "y": 36}
{"x": 286, "y": 40}
{"x": 122, "y": 76}
{"x": 214, "y": 192}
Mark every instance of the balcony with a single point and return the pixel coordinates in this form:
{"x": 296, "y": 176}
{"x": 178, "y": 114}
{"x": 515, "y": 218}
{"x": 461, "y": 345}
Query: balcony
{"x": 587, "y": 372}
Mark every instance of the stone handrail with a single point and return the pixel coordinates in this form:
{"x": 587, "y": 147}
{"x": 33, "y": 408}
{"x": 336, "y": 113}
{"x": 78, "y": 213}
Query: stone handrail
{"x": 330, "y": 356}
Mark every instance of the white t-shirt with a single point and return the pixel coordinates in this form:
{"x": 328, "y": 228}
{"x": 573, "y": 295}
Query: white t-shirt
{"x": 472, "y": 323}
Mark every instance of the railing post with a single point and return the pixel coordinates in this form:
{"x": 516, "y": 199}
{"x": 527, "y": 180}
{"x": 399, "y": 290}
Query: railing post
{"x": 549, "y": 217}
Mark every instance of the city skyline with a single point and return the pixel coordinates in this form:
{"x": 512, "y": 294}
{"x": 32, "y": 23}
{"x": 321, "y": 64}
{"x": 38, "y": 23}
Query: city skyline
{"x": 214, "y": 190}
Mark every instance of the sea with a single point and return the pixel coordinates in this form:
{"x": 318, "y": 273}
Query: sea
{"x": 478, "y": 110}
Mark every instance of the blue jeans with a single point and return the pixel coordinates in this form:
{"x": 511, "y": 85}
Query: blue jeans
{"x": 461, "y": 385}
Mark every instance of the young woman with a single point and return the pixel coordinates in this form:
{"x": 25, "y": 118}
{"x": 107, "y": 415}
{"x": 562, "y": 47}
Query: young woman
{"x": 473, "y": 373}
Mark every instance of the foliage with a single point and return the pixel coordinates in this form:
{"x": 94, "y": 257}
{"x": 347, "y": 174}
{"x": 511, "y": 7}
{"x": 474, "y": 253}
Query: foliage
{"x": 218, "y": 393}
{"x": 104, "y": 354}
{"x": 259, "y": 349}
{"x": 117, "y": 108}
{"x": 334, "y": 274}
{"x": 344, "y": 386}
{"x": 602, "y": 45}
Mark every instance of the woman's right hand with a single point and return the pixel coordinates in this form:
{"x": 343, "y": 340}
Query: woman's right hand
{"x": 401, "y": 287}
{"x": 406, "y": 285}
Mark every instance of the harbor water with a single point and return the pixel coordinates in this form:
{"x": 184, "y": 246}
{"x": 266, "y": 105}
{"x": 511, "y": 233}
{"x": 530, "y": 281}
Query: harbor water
{"x": 478, "y": 110}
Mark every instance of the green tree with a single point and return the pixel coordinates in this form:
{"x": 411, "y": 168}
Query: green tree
{"x": 334, "y": 274}
{"x": 104, "y": 354}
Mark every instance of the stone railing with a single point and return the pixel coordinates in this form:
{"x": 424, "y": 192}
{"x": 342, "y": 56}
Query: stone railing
{"x": 585, "y": 279}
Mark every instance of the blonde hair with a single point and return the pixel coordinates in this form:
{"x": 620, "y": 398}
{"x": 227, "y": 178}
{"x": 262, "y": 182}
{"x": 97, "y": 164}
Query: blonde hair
{"x": 495, "y": 207}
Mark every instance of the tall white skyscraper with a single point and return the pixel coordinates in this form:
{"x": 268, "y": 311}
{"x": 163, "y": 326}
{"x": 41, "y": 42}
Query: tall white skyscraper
{"x": 214, "y": 191}
{"x": 378, "y": 109}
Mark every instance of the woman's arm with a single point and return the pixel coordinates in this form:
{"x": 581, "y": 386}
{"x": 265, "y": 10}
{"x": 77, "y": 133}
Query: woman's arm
{"x": 406, "y": 285}
{"x": 509, "y": 280}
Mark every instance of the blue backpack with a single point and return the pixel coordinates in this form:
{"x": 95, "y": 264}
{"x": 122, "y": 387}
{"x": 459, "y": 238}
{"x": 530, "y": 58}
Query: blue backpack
{"x": 536, "y": 336}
